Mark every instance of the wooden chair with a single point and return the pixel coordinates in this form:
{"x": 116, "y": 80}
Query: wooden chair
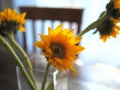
{"x": 60, "y": 14}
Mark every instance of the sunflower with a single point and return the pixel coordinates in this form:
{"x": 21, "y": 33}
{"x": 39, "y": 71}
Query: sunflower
{"x": 108, "y": 28}
{"x": 113, "y": 9}
{"x": 59, "y": 46}
{"x": 116, "y": 3}
{"x": 11, "y": 21}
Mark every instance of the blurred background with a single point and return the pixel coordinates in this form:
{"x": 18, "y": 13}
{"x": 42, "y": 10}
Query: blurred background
{"x": 96, "y": 51}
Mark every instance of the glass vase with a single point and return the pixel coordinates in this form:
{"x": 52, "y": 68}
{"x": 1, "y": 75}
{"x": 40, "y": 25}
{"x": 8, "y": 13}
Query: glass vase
{"x": 62, "y": 81}
{"x": 39, "y": 75}
{"x": 59, "y": 80}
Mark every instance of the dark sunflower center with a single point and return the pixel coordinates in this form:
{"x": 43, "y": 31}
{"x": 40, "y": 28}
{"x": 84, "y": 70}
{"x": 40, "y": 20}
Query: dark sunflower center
{"x": 112, "y": 11}
{"x": 8, "y": 26}
{"x": 58, "y": 50}
{"x": 106, "y": 27}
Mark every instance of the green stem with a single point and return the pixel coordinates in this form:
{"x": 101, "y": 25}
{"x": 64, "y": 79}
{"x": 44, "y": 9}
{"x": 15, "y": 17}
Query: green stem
{"x": 13, "y": 41}
{"x": 45, "y": 76}
{"x": 93, "y": 25}
{"x": 50, "y": 85}
{"x": 26, "y": 58}
{"x": 18, "y": 61}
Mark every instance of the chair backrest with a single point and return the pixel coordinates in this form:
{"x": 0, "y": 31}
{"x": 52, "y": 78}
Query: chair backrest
{"x": 60, "y": 14}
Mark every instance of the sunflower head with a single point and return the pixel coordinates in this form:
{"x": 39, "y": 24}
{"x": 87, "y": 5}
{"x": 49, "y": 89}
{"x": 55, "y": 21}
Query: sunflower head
{"x": 11, "y": 21}
{"x": 113, "y": 9}
{"x": 108, "y": 28}
{"x": 59, "y": 46}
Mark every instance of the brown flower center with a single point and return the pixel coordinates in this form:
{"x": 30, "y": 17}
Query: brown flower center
{"x": 106, "y": 27}
{"x": 112, "y": 10}
{"x": 58, "y": 50}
